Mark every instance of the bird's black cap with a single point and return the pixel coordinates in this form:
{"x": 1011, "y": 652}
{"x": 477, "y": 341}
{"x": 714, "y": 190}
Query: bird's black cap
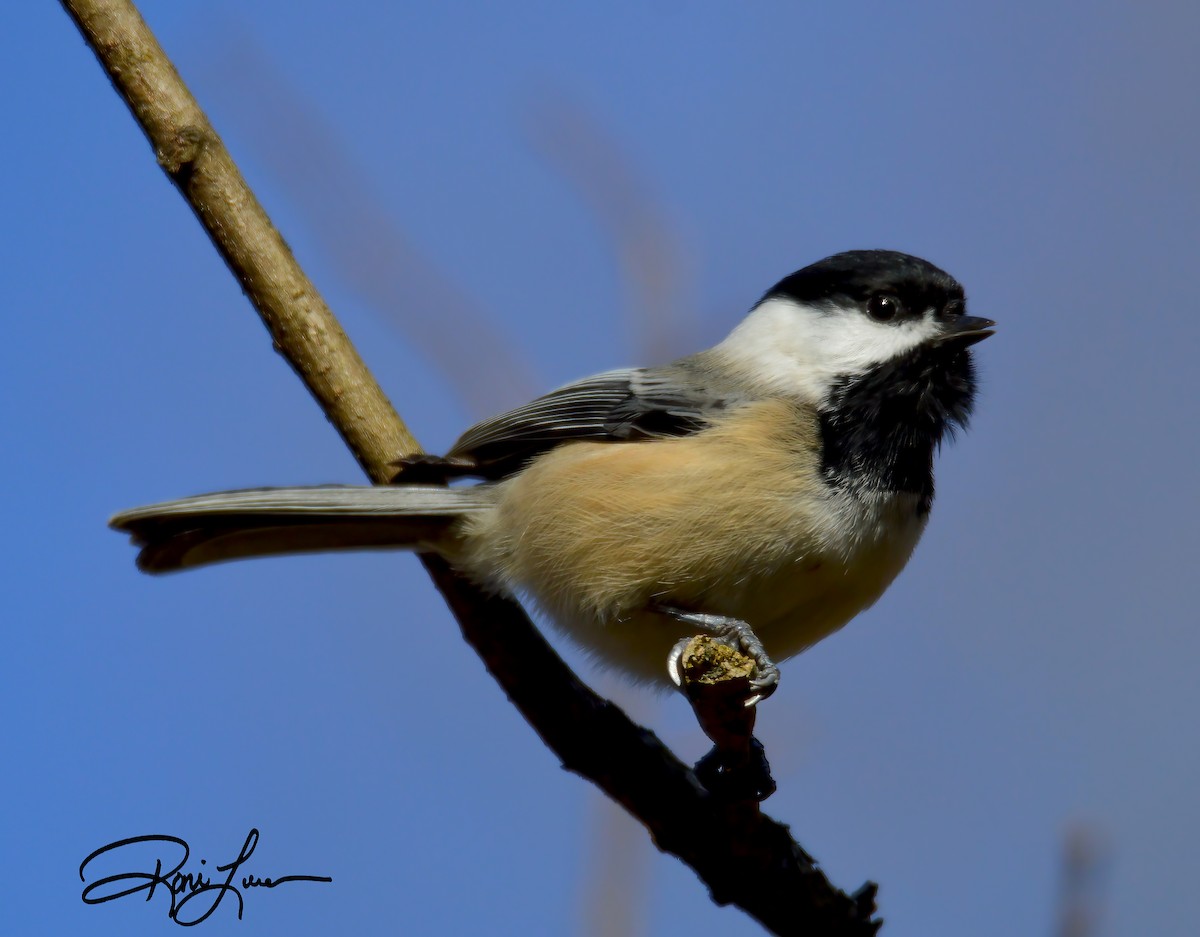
{"x": 854, "y": 276}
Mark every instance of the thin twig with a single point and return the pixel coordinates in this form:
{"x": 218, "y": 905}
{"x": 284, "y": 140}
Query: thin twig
{"x": 745, "y": 857}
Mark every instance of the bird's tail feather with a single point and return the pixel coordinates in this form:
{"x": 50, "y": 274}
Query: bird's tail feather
{"x": 232, "y": 525}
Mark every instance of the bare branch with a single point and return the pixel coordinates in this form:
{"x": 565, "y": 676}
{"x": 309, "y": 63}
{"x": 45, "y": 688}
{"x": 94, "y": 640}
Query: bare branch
{"x": 189, "y": 151}
{"x": 745, "y": 857}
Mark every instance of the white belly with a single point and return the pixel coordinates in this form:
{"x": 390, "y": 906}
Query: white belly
{"x": 791, "y": 605}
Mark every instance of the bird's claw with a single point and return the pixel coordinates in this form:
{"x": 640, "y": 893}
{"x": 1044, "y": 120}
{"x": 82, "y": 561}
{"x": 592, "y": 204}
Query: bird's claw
{"x": 734, "y": 633}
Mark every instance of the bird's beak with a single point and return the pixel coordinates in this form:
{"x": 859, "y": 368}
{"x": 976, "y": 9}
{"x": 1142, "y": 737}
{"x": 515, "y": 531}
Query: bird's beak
{"x": 964, "y": 331}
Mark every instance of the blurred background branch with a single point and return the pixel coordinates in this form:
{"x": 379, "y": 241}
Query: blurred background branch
{"x": 649, "y": 252}
{"x": 1082, "y": 882}
{"x": 371, "y": 254}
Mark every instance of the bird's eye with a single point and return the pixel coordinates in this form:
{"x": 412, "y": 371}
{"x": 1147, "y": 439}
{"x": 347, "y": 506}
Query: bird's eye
{"x": 883, "y": 307}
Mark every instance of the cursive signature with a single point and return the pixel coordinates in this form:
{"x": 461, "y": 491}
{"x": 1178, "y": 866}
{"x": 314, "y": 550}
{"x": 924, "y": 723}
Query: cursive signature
{"x": 194, "y": 896}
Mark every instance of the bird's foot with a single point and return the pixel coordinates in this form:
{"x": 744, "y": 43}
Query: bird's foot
{"x": 715, "y": 676}
{"x": 734, "y": 633}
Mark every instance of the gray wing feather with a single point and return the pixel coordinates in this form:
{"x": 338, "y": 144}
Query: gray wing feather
{"x": 578, "y": 409}
{"x": 617, "y": 406}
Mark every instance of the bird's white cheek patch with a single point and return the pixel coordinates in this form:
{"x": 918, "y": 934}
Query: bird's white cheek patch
{"x": 804, "y": 350}
{"x": 851, "y": 342}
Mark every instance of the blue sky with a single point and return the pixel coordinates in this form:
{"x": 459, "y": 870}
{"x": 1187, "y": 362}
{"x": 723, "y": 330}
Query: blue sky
{"x": 1032, "y": 671}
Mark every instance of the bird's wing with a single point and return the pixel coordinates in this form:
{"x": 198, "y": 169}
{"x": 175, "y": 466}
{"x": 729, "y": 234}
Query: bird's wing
{"x": 616, "y": 406}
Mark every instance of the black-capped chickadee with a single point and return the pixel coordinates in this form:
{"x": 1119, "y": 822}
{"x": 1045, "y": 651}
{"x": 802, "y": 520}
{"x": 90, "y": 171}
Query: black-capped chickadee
{"x": 766, "y": 490}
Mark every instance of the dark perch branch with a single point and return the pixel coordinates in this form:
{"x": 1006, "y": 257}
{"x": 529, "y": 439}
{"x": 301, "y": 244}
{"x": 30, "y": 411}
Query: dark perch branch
{"x": 746, "y": 858}
{"x": 716, "y": 681}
